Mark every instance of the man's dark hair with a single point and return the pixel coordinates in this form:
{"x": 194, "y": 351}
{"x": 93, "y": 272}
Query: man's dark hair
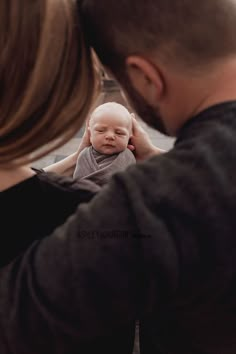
{"x": 194, "y": 32}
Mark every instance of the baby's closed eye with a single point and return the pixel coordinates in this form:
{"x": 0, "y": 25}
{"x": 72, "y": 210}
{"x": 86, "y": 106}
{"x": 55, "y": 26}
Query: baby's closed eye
{"x": 120, "y": 132}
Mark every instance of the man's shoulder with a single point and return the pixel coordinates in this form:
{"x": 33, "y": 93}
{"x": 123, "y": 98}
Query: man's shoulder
{"x": 159, "y": 167}
{"x": 162, "y": 176}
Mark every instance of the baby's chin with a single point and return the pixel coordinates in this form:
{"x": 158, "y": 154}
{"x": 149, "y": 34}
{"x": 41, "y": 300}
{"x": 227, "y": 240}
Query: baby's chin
{"x": 107, "y": 150}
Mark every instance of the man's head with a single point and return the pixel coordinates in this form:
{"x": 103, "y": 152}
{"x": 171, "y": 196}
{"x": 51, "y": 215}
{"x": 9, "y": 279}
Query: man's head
{"x": 110, "y": 128}
{"x": 163, "y": 52}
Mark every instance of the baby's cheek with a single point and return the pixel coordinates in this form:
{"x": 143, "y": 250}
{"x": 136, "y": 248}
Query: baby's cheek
{"x": 94, "y": 141}
{"x": 124, "y": 143}
{"x": 127, "y": 140}
{"x": 93, "y": 138}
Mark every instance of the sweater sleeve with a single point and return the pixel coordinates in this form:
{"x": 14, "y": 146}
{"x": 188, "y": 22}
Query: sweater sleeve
{"x": 77, "y": 286}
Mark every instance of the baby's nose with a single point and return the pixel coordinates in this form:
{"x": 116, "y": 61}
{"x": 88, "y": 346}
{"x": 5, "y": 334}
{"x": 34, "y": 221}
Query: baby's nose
{"x": 110, "y": 135}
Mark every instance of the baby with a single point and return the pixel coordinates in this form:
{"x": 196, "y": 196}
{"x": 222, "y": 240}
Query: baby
{"x": 110, "y": 128}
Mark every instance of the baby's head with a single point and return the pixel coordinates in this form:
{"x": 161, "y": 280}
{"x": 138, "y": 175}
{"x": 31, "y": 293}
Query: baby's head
{"x": 110, "y": 128}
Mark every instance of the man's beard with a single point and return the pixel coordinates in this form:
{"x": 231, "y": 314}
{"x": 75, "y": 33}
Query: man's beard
{"x": 146, "y": 112}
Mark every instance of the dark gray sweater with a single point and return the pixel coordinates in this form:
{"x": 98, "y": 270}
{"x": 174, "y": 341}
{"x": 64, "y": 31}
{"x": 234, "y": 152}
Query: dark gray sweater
{"x": 158, "y": 244}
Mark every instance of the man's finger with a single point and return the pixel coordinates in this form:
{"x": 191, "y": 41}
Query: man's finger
{"x": 131, "y": 147}
{"x": 135, "y": 125}
{"x": 137, "y": 128}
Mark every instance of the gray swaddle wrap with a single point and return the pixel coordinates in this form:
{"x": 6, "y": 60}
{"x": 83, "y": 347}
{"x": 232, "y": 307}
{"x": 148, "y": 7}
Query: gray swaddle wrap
{"x": 98, "y": 168}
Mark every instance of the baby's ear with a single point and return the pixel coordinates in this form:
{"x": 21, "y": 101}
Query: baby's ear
{"x": 132, "y": 115}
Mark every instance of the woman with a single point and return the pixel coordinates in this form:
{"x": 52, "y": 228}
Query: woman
{"x": 47, "y": 84}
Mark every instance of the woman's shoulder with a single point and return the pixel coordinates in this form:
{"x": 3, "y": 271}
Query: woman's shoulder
{"x": 33, "y": 208}
{"x": 67, "y": 184}
{"x": 50, "y": 184}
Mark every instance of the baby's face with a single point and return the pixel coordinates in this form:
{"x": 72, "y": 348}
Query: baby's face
{"x": 110, "y": 131}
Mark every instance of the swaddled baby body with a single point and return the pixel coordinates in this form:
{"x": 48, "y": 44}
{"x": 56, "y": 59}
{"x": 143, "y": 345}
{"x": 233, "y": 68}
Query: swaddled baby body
{"x": 110, "y": 128}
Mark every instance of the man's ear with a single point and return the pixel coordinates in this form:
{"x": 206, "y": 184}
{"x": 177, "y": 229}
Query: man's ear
{"x": 146, "y": 79}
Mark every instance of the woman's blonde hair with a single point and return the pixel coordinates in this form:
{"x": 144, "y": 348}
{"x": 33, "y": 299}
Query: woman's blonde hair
{"x": 47, "y": 77}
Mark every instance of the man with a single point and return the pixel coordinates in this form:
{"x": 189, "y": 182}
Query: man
{"x": 158, "y": 243}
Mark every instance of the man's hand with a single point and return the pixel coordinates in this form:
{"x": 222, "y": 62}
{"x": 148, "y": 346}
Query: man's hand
{"x": 141, "y": 144}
